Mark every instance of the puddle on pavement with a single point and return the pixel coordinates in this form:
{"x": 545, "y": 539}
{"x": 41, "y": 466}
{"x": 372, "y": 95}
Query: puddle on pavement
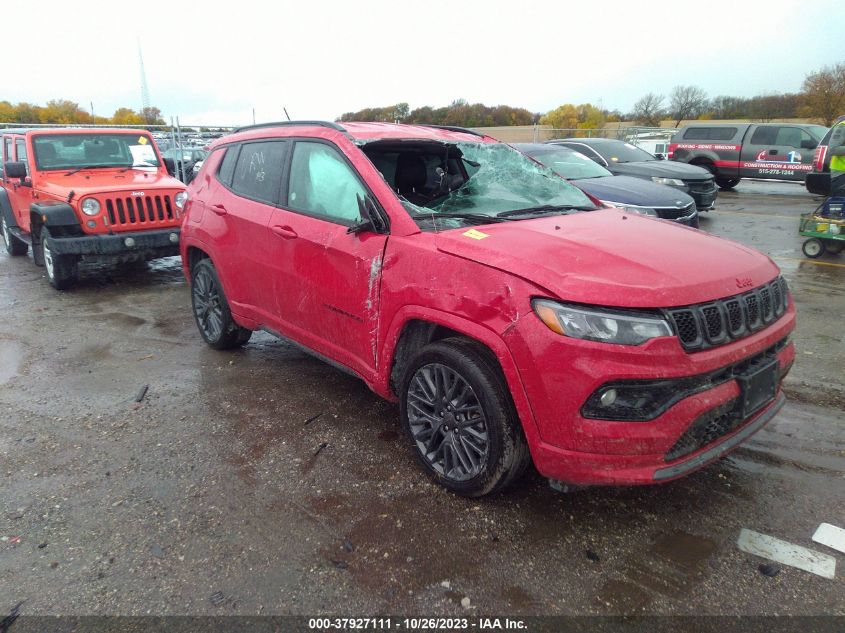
{"x": 671, "y": 567}
{"x": 11, "y": 357}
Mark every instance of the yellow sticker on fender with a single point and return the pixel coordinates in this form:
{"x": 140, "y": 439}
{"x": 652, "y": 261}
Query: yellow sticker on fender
{"x": 143, "y": 140}
{"x": 476, "y": 235}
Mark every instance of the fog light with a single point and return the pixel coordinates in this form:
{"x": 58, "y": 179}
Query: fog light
{"x": 608, "y": 397}
{"x": 174, "y": 238}
{"x": 91, "y": 224}
{"x": 130, "y": 242}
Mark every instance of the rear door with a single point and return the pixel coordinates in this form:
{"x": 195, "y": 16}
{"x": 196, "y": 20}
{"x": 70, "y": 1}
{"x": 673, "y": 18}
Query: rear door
{"x": 328, "y": 276}
{"x": 236, "y": 210}
{"x": 782, "y": 152}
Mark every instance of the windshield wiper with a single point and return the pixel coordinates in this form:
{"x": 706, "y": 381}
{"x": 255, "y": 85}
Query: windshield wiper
{"x": 543, "y": 210}
{"x": 79, "y": 169}
{"x": 478, "y": 217}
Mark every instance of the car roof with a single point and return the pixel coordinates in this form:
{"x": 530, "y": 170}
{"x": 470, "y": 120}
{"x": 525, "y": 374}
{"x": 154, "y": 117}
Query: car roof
{"x": 364, "y": 131}
{"x": 544, "y": 147}
{"x": 586, "y": 141}
{"x": 74, "y": 130}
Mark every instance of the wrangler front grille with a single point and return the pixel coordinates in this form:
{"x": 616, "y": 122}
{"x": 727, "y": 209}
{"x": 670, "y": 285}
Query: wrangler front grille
{"x": 710, "y": 324}
{"x": 140, "y": 211}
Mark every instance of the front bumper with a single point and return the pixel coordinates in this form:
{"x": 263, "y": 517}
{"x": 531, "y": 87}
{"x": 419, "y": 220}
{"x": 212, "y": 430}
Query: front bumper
{"x": 560, "y": 374}
{"x": 160, "y": 243}
{"x": 705, "y": 197}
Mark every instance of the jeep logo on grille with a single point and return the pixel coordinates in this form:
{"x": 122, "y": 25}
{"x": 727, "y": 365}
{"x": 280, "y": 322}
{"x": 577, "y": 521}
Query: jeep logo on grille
{"x": 137, "y": 193}
{"x": 744, "y": 282}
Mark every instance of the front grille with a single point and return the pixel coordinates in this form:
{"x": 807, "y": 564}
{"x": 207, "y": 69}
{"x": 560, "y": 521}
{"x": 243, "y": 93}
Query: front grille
{"x": 727, "y": 417}
{"x": 706, "y": 429}
{"x": 141, "y": 211}
{"x": 673, "y": 213}
{"x": 710, "y": 324}
{"x": 701, "y": 186}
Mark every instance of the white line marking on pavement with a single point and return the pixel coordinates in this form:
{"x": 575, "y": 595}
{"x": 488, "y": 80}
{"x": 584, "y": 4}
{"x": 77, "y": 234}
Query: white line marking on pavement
{"x": 787, "y": 553}
{"x": 830, "y": 535}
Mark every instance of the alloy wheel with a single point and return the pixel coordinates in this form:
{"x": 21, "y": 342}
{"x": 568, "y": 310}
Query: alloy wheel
{"x": 207, "y": 306}
{"x": 447, "y": 422}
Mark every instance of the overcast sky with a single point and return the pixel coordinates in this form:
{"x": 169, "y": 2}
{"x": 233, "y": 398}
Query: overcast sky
{"x": 213, "y": 62}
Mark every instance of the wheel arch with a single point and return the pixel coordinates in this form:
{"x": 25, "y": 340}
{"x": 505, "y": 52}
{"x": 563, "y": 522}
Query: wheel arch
{"x": 415, "y": 327}
{"x": 6, "y": 209}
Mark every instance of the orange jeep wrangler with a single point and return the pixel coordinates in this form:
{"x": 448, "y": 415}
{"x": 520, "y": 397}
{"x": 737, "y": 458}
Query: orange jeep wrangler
{"x": 87, "y": 194}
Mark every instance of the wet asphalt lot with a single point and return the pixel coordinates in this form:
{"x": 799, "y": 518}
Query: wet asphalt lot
{"x": 211, "y": 496}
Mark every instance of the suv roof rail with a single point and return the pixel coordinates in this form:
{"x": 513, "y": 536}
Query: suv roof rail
{"x": 454, "y": 128}
{"x": 258, "y": 126}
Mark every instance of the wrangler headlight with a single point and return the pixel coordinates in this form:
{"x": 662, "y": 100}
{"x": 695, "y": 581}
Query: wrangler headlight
{"x": 599, "y": 324}
{"x": 180, "y": 199}
{"x": 673, "y": 182}
{"x": 90, "y": 206}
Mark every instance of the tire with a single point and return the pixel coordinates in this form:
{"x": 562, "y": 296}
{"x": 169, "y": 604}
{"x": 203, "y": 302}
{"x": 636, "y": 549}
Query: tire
{"x": 725, "y": 184}
{"x": 211, "y": 309}
{"x": 833, "y": 247}
{"x": 468, "y": 458}
{"x": 813, "y": 248}
{"x": 62, "y": 270}
{"x": 14, "y": 246}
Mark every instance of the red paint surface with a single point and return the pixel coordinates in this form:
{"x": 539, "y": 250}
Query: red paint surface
{"x": 349, "y": 296}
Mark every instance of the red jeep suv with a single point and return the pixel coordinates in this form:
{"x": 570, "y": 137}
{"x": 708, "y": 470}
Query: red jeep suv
{"x": 512, "y": 318}
{"x": 95, "y": 195}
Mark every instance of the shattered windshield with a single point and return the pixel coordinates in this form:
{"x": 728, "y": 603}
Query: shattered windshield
{"x": 483, "y": 180}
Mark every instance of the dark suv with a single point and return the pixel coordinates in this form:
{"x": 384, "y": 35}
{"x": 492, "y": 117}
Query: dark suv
{"x": 511, "y": 317}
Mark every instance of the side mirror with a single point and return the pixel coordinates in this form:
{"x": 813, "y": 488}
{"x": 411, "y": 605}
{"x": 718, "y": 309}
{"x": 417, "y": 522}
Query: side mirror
{"x": 811, "y": 144}
{"x": 372, "y": 220}
{"x": 818, "y": 183}
{"x": 170, "y": 165}
{"x": 15, "y": 169}
{"x": 660, "y": 156}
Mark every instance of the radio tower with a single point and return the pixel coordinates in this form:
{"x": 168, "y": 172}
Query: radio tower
{"x": 145, "y": 91}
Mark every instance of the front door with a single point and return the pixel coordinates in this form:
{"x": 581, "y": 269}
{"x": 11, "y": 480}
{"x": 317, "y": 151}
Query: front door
{"x": 782, "y": 152}
{"x": 20, "y": 191}
{"x": 329, "y": 276}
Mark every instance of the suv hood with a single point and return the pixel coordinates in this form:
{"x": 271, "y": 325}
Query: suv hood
{"x": 611, "y": 258}
{"x": 109, "y": 181}
{"x": 661, "y": 168}
{"x": 627, "y": 190}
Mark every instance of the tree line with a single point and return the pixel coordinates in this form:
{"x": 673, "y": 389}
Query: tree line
{"x": 822, "y": 98}
{"x": 67, "y": 112}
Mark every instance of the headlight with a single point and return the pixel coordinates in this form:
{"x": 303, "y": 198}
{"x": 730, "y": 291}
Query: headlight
{"x": 672, "y": 182}
{"x": 598, "y": 324}
{"x": 632, "y": 209}
{"x": 90, "y": 206}
{"x": 180, "y": 199}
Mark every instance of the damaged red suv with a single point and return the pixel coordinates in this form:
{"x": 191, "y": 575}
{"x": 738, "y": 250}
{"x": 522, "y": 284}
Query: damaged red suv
{"x": 512, "y": 318}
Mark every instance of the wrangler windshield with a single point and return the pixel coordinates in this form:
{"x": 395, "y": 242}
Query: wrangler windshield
{"x": 81, "y": 151}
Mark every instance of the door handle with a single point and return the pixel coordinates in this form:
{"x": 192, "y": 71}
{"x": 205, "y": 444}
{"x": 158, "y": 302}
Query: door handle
{"x": 773, "y": 152}
{"x": 219, "y": 209}
{"x": 284, "y": 231}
